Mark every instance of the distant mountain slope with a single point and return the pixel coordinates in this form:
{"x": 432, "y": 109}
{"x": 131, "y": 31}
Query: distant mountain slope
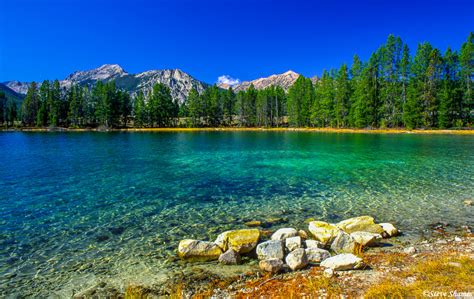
{"x": 11, "y": 94}
{"x": 285, "y": 80}
{"x": 179, "y": 82}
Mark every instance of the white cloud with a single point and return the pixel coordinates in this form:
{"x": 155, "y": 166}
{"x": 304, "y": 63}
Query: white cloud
{"x": 226, "y": 79}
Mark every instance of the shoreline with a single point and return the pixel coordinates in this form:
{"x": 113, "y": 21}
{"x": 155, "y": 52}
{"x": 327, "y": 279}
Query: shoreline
{"x": 251, "y": 129}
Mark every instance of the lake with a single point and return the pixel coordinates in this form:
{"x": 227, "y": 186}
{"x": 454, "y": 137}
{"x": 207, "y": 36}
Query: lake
{"x": 77, "y": 208}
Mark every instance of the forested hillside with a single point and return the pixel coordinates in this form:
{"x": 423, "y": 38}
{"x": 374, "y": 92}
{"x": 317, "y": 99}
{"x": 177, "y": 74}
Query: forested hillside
{"x": 393, "y": 89}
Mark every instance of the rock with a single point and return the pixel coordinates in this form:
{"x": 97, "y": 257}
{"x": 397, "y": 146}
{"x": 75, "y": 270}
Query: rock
{"x": 328, "y": 273}
{"x": 303, "y": 234}
{"x": 390, "y": 229}
{"x": 230, "y": 257}
{"x": 313, "y": 244}
{"x": 253, "y": 223}
{"x": 341, "y": 262}
{"x": 323, "y": 231}
{"x": 293, "y": 243}
{"x": 242, "y": 240}
{"x": 195, "y": 250}
{"x": 308, "y": 220}
{"x": 468, "y": 202}
{"x": 271, "y": 249}
{"x": 457, "y": 239}
{"x": 271, "y": 265}
{"x": 361, "y": 223}
{"x": 316, "y": 255}
{"x": 275, "y": 220}
{"x": 366, "y": 238}
{"x": 344, "y": 243}
{"x": 410, "y": 250}
{"x": 297, "y": 259}
{"x": 284, "y": 233}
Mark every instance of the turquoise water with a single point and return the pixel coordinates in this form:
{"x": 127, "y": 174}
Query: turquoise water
{"x": 77, "y": 208}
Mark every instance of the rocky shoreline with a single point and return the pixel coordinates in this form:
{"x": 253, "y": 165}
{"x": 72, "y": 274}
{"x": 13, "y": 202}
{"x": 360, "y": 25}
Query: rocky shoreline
{"x": 348, "y": 258}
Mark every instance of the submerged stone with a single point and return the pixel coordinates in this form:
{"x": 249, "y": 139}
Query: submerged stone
{"x": 196, "y": 250}
{"x": 242, "y": 240}
{"x": 253, "y": 223}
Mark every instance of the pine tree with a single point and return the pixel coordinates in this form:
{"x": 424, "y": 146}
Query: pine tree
{"x": 30, "y": 105}
{"x": 139, "y": 109}
{"x": 342, "y": 97}
{"x": 229, "y": 105}
{"x": 3, "y": 107}
{"x": 467, "y": 73}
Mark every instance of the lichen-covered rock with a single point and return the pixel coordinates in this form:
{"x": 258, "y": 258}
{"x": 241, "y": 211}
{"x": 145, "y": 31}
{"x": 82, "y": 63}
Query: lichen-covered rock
{"x": 284, "y": 233}
{"x": 272, "y": 249}
{"x": 341, "y": 262}
{"x": 313, "y": 244}
{"x": 316, "y": 255}
{"x": 271, "y": 265}
{"x": 297, "y": 259}
{"x": 303, "y": 234}
{"x": 322, "y": 231}
{"x": 242, "y": 240}
{"x": 196, "y": 250}
{"x": 253, "y": 223}
{"x": 389, "y": 229}
{"x": 360, "y": 224}
{"x": 293, "y": 243}
{"x": 230, "y": 257}
{"x": 344, "y": 243}
{"x": 366, "y": 238}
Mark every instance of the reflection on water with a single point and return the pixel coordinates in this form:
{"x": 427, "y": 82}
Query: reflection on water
{"x": 77, "y": 208}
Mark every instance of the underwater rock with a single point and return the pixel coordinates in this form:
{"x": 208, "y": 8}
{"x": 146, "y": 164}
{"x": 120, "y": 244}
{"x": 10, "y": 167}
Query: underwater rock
{"x": 271, "y": 265}
{"x": 366, "y": 238}
{"x": 297, "y": 259}
{"x": 467, "y": 202}
{"x": 293, "y": 243}
{"x": 271, "y": 249}
{"x": 341, "y": 262}
{"x": 322, "y": 231}
{"x": 390, "y": 229}
{"x": 316, "y": 255}
{"x": 230, "y": 257}
{"x": 196, "y": 250}
{"x": 344, "y": 243}
{"x": 361, "y": 223}
{"x": 242, "y": 240}
{"x": 284, "y": 233}
{"x": 253, "y": 223}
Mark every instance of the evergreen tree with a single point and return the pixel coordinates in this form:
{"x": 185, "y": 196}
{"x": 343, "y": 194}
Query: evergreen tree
{"x": 140, "y": 112}
{"x": 229, "y": 105}
{"x": 11, "y": 113}
{"x": 3, "y": 107}
{"x": 467, "y": 74}
{"x": 342, "y": 97}
{"x": 30, "y": 106}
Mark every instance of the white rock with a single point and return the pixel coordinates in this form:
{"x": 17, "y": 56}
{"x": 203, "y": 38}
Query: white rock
{"x": 313, "y": 244}
{"x": 271, "y": 265}
{"x": 344, "y": 243}
{"x": 284, "y": 233}
{"x": 390, "y": 229}
{"x": 328, "y": 273}
{"x": 457, "y": 239}
{"x": 297, "y": 259}
{"x": 270, "y": 250}
{"x": 316, "y": 255}
{"x": 366, "y": 238}
{"x": 293, "y": 243}
{"x": 410, "y": 250}
{"x": 340, "y": 262}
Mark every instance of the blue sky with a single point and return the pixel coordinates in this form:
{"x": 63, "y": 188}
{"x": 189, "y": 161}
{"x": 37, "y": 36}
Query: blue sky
{"x": 49, "y": 39}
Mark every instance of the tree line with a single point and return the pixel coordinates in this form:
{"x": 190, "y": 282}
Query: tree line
{"x": 390, "y": 90}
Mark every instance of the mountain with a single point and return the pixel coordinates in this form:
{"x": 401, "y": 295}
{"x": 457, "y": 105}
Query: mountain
{"x": 179, "y": 82}
{"x": 11, "y": 94}
{"x": 284, "y": 80}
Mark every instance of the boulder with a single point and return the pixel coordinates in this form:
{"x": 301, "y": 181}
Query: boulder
{"x": 242, "y": 240}
{"x": 316, "y": 255}
{"x": 303, "y": 234}
{"x": 361, "y": 223}
{"x": 322, "y": 231}
{"x": 284, "y": 233}
{"x": 341, "y": 262}
{"x": 297, "y": 259}
{"x": 410, "y": 250}
{"x": 344, "y": 243}
{"x": 230, "y": 257}
{"x": 195, "y": 250}
{"x": 313, "y": 244}
{"x": 293, "y": 243}
{"x": 271, "y": 265}
{"x": 389, "y": 229}
{"x": 366, "y": 238}
{"x": 270, "y": 250}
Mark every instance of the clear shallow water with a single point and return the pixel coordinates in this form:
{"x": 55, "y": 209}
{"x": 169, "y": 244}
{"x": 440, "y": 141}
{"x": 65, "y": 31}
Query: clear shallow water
{"x": 77, "y": 208}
